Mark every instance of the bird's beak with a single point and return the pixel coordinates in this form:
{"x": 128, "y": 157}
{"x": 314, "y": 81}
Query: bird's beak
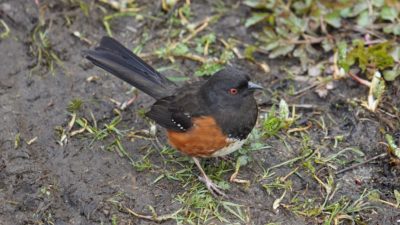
{"x": 253, "y": 86}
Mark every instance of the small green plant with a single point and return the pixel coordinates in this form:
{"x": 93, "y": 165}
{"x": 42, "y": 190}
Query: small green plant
{"x": 373, "y": 60}
{"x": 201, "y": 208}
{"x": 374, "y": 57}
{"x": 74, "y": 105}
{"x": 393, "y": 149}
{"x": 275, "y": 121}
{"x": 143, "y": 164}
{"x": 42, "y": 49}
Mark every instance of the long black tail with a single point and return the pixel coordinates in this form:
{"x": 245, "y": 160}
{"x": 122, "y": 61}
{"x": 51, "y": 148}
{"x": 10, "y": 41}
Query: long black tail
{"x": 121, "y": 62}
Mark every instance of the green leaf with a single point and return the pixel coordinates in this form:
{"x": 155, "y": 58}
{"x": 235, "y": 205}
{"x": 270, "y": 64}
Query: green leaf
{"x": 395, "y": 53}
{"x": 282, "y": 31}
{"x": 180, "y": 49}
{"x": 252, "y": 3}
{"x": 203, "y": 41}
{"x": 346, "y": 12}
{"x": 302, "y": 55}
{"x": 223, "y": 185}
{"x": 226, "y": 56}
{"x": 327, "y": 45}
{"x": 302, "y": 7}
{"x": 208, "y": 69}
{"x": 199, "y": 48}
{"x": 272, "y": 45}
{"x": 208, "y": 38}
{"x": 248, "y": 52}
{"x": 343, "y": 60}
{"x": 296, "y": 24}
{"x": 374, "y": 196}
{"x": 260, "y": 4}
{"x": 378, "y": 3}
{"x": 392, "y": 29}
{"x": 379, "y": 89}
{"x": 275, "y": 121}
{"x": 281, "y": 50}
{"x": 187, "y": 10}
{"x": 243, "y": 160}
{"x": 364, "y": 19}
{"x": 255, "y": 18}
{"x": 389, "y": 13}
{"x": 334, "y": 19}
{"x": 391, "y": 75}
{"x": 359, "y": 8}
{"x": 393, "y": 148}
{"x": 272, "y": 126}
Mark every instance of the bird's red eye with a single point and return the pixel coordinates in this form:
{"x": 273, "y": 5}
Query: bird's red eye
{"x": 233, "y": 91}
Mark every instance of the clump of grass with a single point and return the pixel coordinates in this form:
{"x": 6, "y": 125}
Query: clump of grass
{"x": 200, "y": 207}
{"x": 144, "y": 163}
{"x": 40, "y": 45}
{"x": 335, "y": 212}
{"x": 74, "y": 105}
{"x": 278, "y": 120}
{"x": 81, "y": 126}
{"x": 309, "y": 166}
{"x": 42, "y": 49}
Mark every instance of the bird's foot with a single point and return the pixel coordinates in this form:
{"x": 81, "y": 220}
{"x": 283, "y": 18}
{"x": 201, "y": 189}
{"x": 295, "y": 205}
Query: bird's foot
{"x": 212, "y": 187}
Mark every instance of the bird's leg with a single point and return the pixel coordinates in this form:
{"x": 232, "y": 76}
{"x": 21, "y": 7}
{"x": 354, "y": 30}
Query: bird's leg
{"x": 213, "y": 188}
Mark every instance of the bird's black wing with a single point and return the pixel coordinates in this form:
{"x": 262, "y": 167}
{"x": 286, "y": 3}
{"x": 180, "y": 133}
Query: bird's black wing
{"x": 176, "y": 112}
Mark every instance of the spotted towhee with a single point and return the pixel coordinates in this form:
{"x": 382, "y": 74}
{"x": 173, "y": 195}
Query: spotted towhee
{"x": 203, "y": 119}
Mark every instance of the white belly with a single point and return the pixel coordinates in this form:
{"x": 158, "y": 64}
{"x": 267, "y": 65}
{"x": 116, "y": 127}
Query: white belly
{"x": 234, "y": 145}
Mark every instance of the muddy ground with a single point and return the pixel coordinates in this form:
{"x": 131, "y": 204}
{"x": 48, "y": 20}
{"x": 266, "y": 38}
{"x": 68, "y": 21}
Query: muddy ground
{"x": 82, "y": 182}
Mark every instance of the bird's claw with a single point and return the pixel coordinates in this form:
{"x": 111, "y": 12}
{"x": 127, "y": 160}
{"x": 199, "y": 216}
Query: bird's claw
{"x": 212, "y": 187}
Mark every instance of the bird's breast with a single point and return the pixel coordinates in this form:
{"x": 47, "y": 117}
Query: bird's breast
{"x": 204, "y": 139}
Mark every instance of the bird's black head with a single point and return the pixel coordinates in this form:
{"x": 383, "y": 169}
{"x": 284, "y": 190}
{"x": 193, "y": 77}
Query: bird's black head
{"x": 229, "y": 88}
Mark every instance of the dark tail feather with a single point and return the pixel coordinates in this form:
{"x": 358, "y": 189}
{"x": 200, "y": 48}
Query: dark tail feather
{"x": 121, "y": 62}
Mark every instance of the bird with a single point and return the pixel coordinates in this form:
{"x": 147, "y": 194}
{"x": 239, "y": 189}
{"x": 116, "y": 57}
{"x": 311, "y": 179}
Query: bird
{"x": 203, "y": 119}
